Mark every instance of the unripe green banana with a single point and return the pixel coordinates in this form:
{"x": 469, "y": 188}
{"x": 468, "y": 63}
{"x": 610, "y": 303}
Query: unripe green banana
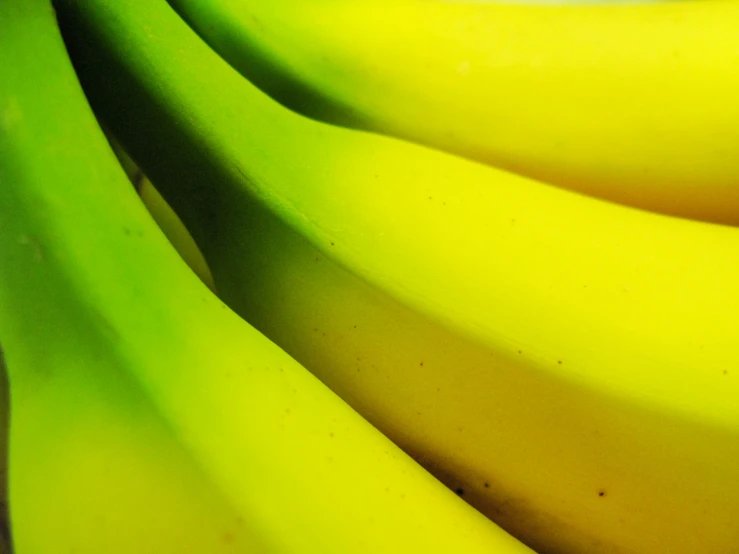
{"x": 634, "y": 103}
{"x": 172, "y": 226}
{"x": 165, "y": 217}
{"x": 133, "y": 171}
{"x": 146, "y": 417}
{"x": 569, "y": 364}
{"x": 5, "y": 539}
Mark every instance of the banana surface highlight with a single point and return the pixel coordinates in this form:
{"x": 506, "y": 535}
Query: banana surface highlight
{"x": 569, "y": 364}
{"x": 632, "y": 103}
{"x": 147, "y": 417}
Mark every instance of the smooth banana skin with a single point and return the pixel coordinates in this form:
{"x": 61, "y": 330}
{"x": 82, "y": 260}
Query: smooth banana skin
{"x": 94, "y": 467}
{"x": 5, "y": 540}
{"x": 568, "y": 363}
{"x": 147, "y": 417}
{"x": 632, "y": 103}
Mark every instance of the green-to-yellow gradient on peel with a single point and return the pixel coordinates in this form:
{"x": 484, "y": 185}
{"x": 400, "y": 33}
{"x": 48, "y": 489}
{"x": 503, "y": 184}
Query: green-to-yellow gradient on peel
{"x": 633, "y": 102}
{"x": 147, "y": 417}
{"x": 92, "y": 466}
{"x": 100, "y": 471}
{"x": 568, "y": 363}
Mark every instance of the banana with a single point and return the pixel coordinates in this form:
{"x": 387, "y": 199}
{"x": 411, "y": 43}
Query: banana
{"x": 175, "y": 230}
{"x": 168, "y": 221}
{"x": 567, "y": 364}
{"x": 631, "y": 103}
{"x": 4, "y": 409}
{"x": 146, "y": 417}
{"x": 133, "y": 172}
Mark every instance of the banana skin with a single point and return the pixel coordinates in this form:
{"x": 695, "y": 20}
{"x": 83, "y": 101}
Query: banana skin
{"x": 168, "y": 221}
{"x": 568, "y": 364}
{"x": 147, "y": 417}
{"x": 5, "y": 539}
{"x": 172, "y": 226}
{"x": 93, "y": 467}
{"x": 631, "y": 102}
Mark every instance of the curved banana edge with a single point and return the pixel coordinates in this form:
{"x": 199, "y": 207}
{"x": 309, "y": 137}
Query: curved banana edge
{"x": 146, "y": 416}
{"x": 634, "y": 103}
{"x": 165, "y": 217}
{"x": 178, "y": 235}
{"x": 574, "y": 355}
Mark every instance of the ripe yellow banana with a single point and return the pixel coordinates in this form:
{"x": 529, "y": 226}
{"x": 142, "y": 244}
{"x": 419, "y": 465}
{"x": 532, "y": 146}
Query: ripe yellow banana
{"x": 633, "y": 103}
{"x": 146, "y": 417}
{"x": 570, "y": 365}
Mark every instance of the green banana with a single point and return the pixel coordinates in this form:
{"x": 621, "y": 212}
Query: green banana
{"x": 133, "y": 172}
{"x": 632, "y": 103}
{"x": 168, "y": 221}
{"x": 175, "y": 230}
{"x": 4, "y": 421}
{"x": 568, "y": 364}
{"x": 146, "y": 417}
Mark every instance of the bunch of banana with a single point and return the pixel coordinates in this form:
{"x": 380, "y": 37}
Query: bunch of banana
{"x": 146, "y": 417}
{"x": 566, "y": 364}
{"x": 635, "y": 103}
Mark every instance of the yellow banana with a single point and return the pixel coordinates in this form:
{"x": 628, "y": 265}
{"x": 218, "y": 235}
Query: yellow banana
{"x": 146, "y": 417}
{"x": 568, "y": 364}
{"x": 634, "y": 103}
